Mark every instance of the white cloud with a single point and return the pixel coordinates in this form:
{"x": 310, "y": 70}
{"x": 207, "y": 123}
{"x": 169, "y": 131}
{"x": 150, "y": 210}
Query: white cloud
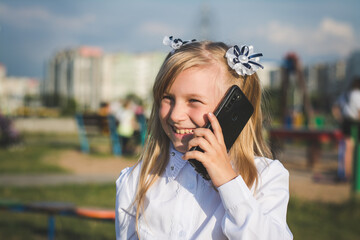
{"x": 280, "y": 33}
{"x": 331, "y": 27}
{"x": 35, "y": 17}
{"x": 328, "y": 37}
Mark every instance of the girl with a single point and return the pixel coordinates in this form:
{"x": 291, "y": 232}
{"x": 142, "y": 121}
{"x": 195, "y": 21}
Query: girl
{"x": 163, "y": 197}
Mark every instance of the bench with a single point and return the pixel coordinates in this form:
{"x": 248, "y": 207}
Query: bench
{"x": 53, "y": 209}
{"x": 90, "y": 125}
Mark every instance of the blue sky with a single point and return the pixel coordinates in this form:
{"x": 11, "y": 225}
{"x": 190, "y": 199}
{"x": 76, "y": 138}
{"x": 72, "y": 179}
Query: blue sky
{"x": 31, "y": 31}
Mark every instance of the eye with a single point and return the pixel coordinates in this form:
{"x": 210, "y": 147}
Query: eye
{"x": 167, "y": 98}
{"x": 194, "y": 100}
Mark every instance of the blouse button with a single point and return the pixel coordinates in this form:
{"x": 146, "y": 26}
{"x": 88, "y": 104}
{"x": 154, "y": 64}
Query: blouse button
{"x": 172, "y": 154}
{"x": 172, "y": 168}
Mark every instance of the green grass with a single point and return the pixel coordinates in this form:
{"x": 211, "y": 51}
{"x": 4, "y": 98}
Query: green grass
{"x": 314, "y": 220}
{"x": 38, "y": 152}
{"x": 29, "y": 157}
{"x": 102, "y": 195}
{"x": 307, "y": 220}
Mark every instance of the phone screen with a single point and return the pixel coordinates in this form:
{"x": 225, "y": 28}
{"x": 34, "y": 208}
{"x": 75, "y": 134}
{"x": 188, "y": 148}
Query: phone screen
{"x": 233, "y": 113}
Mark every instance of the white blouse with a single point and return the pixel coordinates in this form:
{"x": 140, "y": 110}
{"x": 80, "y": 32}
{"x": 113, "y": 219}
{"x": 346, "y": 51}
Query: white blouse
{"x": 182, "y": 205}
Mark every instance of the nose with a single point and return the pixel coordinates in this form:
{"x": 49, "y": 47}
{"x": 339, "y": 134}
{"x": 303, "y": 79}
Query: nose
{"x": 177, "y": 113}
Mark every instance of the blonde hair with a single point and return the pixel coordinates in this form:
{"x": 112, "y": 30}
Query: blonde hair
{"x": 155, "y": 156}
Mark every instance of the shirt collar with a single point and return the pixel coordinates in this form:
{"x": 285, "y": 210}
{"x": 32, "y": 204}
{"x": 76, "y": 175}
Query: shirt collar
{"x": 176, "y": 163}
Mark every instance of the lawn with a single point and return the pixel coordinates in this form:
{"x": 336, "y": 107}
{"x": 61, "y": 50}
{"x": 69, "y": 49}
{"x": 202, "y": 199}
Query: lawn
{"x": 314, "y": 220}
{"x": 35, "y": 154}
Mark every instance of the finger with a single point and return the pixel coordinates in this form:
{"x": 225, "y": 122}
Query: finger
{"x": 216, "y": 128}
{"x": 200, "y": 156}
{"x": 200, "y": 142}
{"x": 206, "y": 134}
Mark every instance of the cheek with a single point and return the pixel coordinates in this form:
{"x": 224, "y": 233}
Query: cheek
{"x": 164, "y": 112}
{"x": 198, "y": 116}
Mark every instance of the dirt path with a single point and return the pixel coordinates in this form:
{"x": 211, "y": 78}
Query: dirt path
{"x": 303, "y": 186}
{"x": 317, "y": 184}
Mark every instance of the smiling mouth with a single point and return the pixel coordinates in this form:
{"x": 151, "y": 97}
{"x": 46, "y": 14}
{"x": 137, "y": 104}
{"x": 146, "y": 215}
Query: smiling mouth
{"x": 183, "y": 131}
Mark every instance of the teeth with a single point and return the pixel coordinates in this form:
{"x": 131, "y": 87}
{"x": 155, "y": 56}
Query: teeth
{"x": 184, "y": 131}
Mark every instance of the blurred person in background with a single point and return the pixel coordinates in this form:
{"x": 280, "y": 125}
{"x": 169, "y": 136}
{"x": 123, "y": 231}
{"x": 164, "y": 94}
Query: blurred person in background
{"x": 141, "y": 121}
{"x": 127, "y": 126}
{"x": 104, "y": 109}
{"x": 346, "y": 111}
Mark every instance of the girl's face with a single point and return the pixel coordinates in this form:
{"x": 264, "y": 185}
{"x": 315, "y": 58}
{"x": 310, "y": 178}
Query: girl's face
{"x": 195, "y": 92}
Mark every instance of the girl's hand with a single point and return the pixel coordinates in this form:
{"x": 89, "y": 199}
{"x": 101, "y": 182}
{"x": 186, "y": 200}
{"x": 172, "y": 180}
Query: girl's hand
{"x": 215, "y": 157}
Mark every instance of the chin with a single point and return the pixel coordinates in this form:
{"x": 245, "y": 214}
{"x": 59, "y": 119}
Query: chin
{"x": 180, "y": 147}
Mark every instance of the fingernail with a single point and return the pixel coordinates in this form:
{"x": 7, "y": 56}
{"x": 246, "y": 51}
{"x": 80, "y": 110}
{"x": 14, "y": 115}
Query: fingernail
{"x": 211, "y": 114}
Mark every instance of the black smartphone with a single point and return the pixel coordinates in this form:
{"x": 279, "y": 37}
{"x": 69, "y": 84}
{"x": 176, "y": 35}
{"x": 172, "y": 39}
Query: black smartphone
{"x": 233, "y": 113}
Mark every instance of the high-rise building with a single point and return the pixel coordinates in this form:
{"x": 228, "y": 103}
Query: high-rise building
{"x": 74, "y": 74}
{"x": 125, "y": 73}
{"x": 90, "y": 77}
{"x": 270, "y": 76}
{"x": 325, "y": 82}
{"x": 15, "y": 92}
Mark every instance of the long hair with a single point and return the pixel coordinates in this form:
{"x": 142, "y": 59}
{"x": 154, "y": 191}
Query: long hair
{"x": 155, "y": 155}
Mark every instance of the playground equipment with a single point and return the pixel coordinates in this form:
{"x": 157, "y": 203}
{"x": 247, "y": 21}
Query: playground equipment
{"x": 93, "y": 125}
{"x": 292, "y": 69}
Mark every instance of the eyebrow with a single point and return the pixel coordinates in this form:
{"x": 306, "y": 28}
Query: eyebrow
{"x": 194, "y": 95}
